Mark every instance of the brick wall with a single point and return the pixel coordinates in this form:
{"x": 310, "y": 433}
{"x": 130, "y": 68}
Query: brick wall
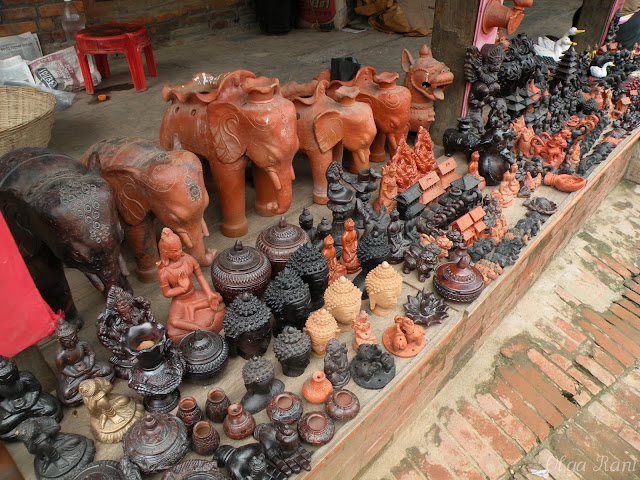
{"x": 164, "y": 19}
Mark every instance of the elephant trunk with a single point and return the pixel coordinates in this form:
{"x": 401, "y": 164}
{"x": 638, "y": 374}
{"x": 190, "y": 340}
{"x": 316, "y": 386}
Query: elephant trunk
{"x": 108, "y": 276}
{"x": 193, "y": 240}
{"x": 273, "y": 190}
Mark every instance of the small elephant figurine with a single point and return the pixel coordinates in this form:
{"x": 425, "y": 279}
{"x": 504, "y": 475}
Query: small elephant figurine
{"x": 62, "y": 213}
{"x": 150, "y": 182}
{"x": 231, "y": 119}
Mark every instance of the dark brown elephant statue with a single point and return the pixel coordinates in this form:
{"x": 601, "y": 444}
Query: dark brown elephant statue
{"x": 62, "y": 214}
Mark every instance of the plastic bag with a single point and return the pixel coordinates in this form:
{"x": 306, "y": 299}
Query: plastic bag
{"x": 64, "y": 99}
{"x": 61, "y": 71}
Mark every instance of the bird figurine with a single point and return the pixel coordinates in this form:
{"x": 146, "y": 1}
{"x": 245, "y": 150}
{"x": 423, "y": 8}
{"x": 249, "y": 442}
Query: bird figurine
{"x": 548, "y": 47}
{"x": 600, "y": 72}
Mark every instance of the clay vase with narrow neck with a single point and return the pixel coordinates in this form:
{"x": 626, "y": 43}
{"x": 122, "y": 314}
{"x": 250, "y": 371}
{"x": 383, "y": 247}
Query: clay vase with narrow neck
{"x": 238, "y": 423}
{"x": 316, "y": 428}
{"x": 342, "y": 405}
{"x": 284, "y": 407}
{"x": 316, "y": 388}
{"x": 204, "y": 439}
{"x": 189, "y": 412}
{"x": 278, "y": 242}
{"x": 217, "y": 405}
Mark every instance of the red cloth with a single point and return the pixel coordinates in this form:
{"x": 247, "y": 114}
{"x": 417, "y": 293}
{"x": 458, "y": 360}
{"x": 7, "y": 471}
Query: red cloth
{"x": 25, "y": 318}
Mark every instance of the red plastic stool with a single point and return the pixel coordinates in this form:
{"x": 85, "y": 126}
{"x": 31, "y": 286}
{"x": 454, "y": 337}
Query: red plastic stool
{"x": 101, "y": 40}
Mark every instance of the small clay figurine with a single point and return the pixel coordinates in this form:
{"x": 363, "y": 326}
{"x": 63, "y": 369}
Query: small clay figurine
{"x": 238, "y": 423}
{"x": 362, "y": 329}
{"x": 422, "y": 259}
{"x": 349, "y": 256}
{"x": 364, "y": 183}
{"x": 404, "y": 338}
{"x": 278, "y": 242}
{"x": 425, "y": 309}
{"x": 111, "y": 415}
{"x": 343, "y": 300}
{"x": 21, "y": 397}
{"x": 313, "y": 268}
{"x": 340, "y": 201}
{"x": 541, "y": 205}
{"x": 191, "y": 308}
{"x": 371, "y": 368}
{"x": 373, "y": 249}
{"x": 316, "y": 428}
{"x": 388, "y": 189}
{"x": 336, "y": 364}
{"x": 321, "y": 327}
{"x": 473, "y": 170}
{"x": 292, "y": 348}
{"x": 324, "y": 229}
{"x": 397, "y": 244}
{"x": 316, "y": 388}
{"x": 284, "y": 407}
{"x": 58, "y": 456}
{"x": 246, "y": 326}
{"x": 282, "y": 445}
{"x": 247, "y": 462}
{"x": 490, "y": 270}
{"x": 289, "y": 299}
{"x": 509, "y": 187}
{"x": 384, "y": 285}
{"x": 336, "y": 269}
{"x": 406, "y": 169}
{"x": 305, "y": 220}
{"x": 259, "y": 379}
{"x": 76, "y": 361}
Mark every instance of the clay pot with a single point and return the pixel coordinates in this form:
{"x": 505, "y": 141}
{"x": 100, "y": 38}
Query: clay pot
{"x": 238, "y": 270}
{"x": 321, "y": 327}
{"x": 285, "y": 407}
{"x": 189, "y": 412}
{"x": 238, "y": 423}
{"x": 205, "y": 354}
{"x": 459, "y": 281}
{"x": 217, "y": 405}
{"x": 564, "y": 182}
{"x": 316, "y": 389}
{"x": 204, "y": 439}
{"x": 278, "y": 242}
{"x": 316, "y": 428}
{"x": 342, "y": 405}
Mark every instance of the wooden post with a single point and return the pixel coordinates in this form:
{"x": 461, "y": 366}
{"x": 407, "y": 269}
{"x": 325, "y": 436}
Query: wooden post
{"x": 453, "y": 30}
{"x": 594, "y": 20}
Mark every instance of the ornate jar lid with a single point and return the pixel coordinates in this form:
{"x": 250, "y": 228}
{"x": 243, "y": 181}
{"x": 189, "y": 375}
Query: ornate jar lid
{"x": 278, "y": 242}
{"x": 206, "y": 354}
{"x": 459, "y": 281}
{"x": 240, "y": 269}
{"x": 195, "y": 469}
{"x": 156, "y": 442}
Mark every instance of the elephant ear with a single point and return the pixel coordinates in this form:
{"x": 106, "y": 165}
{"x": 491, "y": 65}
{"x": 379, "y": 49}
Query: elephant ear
{"x": 20, "y": 218}
{"x": 131, "y": 200}
{"x": 328, "y": 129}
{"x": 407, "y": 60}
{"x": 226, "y": 121}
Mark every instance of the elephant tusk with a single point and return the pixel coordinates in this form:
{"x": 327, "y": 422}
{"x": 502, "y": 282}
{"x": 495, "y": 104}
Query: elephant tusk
{"x": 123, "y": 266}
{"x": 274, "y": 178}
{"x": 293, "y": 173}
{"x": 205, "y": 230}
{"x": 95, "y": 281}
{"x": 393, "y": 143}
{"x": 186, "y": 239}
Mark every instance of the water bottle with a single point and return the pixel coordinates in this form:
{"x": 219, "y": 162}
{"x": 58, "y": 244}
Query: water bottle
{"x": 71, "y": 19}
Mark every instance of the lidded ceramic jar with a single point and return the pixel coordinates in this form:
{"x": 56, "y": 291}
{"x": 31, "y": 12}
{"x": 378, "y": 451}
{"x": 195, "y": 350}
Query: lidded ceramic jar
{"x": 316, "y": 428}
{"x": 343, "y": 300}
{"x": 240, "y": 269}
{"x": 205, "y": 353}
{"x": 278, "y": 242}
{"x": 246, "y": 326}
{"x": 321, "y": 327}
{"x": 384, "y": 285}
{"x": 293, "y": 350}
{"x": 189, "y": 412}
{"x": 285, "y": 407}
{"x": 342, "y": 405}
{"x": 238, "y": 423}
{"x": 313, "y": 268}
{"x": 316, "y": 388}
{"x": 459, "y": 281}
{"x": 156, "y": 442}
{"x": 217, "y": 405}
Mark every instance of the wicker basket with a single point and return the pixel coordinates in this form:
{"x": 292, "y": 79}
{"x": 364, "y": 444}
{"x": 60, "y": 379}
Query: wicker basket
{"x": 26, "y": 117}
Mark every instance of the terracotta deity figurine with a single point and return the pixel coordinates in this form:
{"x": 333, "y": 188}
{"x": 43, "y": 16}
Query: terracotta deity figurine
{"x": 76, "y": 361}
{"x": 423, "y": 152}
{"x": 473, "y": 169}
{"x": 343, "y": 300}
{"x": 191, "y": 309}
{"x": 509, "y": 187}
{"x": 336, "y": 269}
{"x": 388, "y": 189}
{"x": 21, "y": 397}
{"x": 384, "y": 285}
{"x": 406, "y": 169}
{"x": 111, "y": 415}
{"x": 362, "y": 329}
{"x": 349, "y": 256}
{"x": 404, "y": 338}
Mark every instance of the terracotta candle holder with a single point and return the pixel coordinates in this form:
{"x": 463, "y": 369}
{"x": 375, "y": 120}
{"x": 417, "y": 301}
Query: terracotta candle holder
{"x": 384, "y": 285}
{"x": 217, "y": 405}
{"x": 343, "y": 300}
{"x": 247, "y": 326}
{"x": 285, "y": 407}
{"x": 321, "y": 327}
{"x": 363, "y": 333}
{"x": 342, "y": 405}
{"x": 404, "y": 338}
{"x": 336, "y": 364}
{"x": 293, "y": 350}
{"x": 259, "y": 379}
{"x": 316, "y": 428}
{"x": 278, "y": 242}
{"x": 238, "y": 423}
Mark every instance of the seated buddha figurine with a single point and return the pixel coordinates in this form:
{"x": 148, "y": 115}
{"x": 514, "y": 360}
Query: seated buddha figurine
{"x": 384, "y": 285}
{"x": 76, "y": 361}
{"x": 21, "y": 397}
{"x": 111, "y": 415}
{"x": 191, "y": 309}
{"x": 362, "y": 329}
{"x": 349, "y": 256}
{"x": 336, "y": 269}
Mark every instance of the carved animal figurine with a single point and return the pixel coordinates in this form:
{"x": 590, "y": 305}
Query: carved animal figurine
{"x": 349, "y": 256}
{"x": 282, "y": 445}
{"x": 388, "y": 189}
{"x": 426, "y": 78}
{"x": 551, "y": 149}
{"x": 76, "y": 361}
{"x": 362, "y": 329}
{"x": 230, "y": 120}
{"x": 463, "y": 138}
{"x": 490, "y": 270}
{"x": 522, "y": 143}
{"x": 336, "y": 364}
{"x": 422, "y": 259}
{"x": 371, "y": 368}
{"x": 149, "y": 182}
{"x": 191, "y": 309}
{"x": 21, "y": 397}
{"x": 58, "y": 456}
{"x": 336, "y": 269}
{"x": 111, "y": 415}
{"x": 247, "y": 462}
{"x": 325, "y": 126}
{"x": 62, "y": 213}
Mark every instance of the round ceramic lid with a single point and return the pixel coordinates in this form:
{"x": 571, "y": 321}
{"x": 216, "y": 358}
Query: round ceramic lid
{"x": 154, "y": 436}
{"x": 101, "y": 470}
{"x": 240, "y": 258}
{"x": 203, "y": 351}
{"x": 281, "y": 237}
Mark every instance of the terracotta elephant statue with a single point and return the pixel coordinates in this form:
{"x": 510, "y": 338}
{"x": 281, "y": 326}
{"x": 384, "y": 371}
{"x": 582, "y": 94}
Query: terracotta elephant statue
{"x": 326, "y": 126}
{"x": 389, "y": 102}
{"x": 150, "y": 182}
{"x": 426, "y": 78}
{"x": 231, "y": 119}
{"x": 62, "y": 213}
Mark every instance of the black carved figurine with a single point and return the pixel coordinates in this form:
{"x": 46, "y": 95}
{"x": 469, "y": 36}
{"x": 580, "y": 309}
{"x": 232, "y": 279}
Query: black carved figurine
{"x": 336, "y": 364}
{"x": 293, "y": 350}
{"x": 289, "y": 299}
{"x": 246, "y": 326}
{"x": 259, "y": 379}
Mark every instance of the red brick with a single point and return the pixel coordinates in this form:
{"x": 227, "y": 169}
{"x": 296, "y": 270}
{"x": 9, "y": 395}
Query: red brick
{"x": 531, "y": 395}
{"x": 510, "y": 424}
{"x": 605, "y": 416}
{"x": 632, "y": 333}
{"x": 555, "y": 467}
{"x": 570, "y": 330}
{"x": 517, "y": 346}
{"x": 586, "y": 256}
{"x": 615, "y": 334}
{"x": 629, "y": 306}
{"x": 58, "y": 35}
{"x": 620, "y": 408}
{"x": 524, "y": 413}
{"x": 46, "y": 24}
{"x": 633, "y": 285}
{"x": 596, "y": 370}
{"x": 562, "y": 362}
{"x": 23, "y": 13}
{"x": 51, "y": 10}
{"x": 624, "y": 392}
{"x": 17, "y": 28}
{"x": 631, "y": 436}
{"x": 45, "y": 37}
{"x": 143, "y": 20}
{"x": 609, "y": 363}
{"x": 79, "y": 5}
{"x": 622, "y": 313}
{"x": 567, "y": 297}
{"x": 618, "y": 258}
{"x": 433, "y": 469}
{"x": 631, "y": 295}
{"x": 494, "y": 437}
{"x": 576, "y": 459}
{"x": 604, "y": 434}
{"x": 609, "y": 345}
{"x": 591, "y": 386}
{"x": 553, "y": 372}
{"x": 582, "y": 398}
{"x": 615, "y": 266}
{"x": 557, "y": 336}
{"x": 633, "y": 380}
{"x": 457, "y": 462}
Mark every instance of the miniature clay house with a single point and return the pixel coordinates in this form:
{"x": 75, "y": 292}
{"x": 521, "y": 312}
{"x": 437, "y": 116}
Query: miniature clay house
{"x": 471, "y": 225}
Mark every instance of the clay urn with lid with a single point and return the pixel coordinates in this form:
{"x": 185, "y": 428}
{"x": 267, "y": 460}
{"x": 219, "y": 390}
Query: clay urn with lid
{"x": 293, "y": 350}
{"x": 384, "y": 285}
{"x": 240, "y": 269}
{"x": 342, "y": 405}
{"x": 316, "y": 388}
{"x": 321, "y": 327}
{"x": 459, "y": 281}
{"x": 313, "y": 267}
{"x": 205, "y": 354}
{"x": 285, "y": 407}
{"x": 258, "y": 375}
{"x": 238, "y": 423}
{"x": 289, "y": 299}
{"x": 316, "y": 428}
{"x": 247, "y": 328}
{"x": 343, "y": 300}
{"x": 278, "y": 242}
{"x": 156, "y": 442}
